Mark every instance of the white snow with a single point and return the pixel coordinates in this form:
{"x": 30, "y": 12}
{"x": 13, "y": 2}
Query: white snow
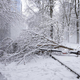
{"x": 71, "y": 61}
{"x": 76, "y": 47}
{"x": 42, "y": 68}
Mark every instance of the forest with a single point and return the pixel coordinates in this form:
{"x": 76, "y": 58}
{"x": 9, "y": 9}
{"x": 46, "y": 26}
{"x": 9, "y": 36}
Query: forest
{"x": 27, "y": 26}
{"x": 34, "y": 28}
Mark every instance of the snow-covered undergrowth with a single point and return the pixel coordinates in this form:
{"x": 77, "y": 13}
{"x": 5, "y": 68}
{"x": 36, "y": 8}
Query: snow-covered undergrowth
{"x": 42, "y": 68}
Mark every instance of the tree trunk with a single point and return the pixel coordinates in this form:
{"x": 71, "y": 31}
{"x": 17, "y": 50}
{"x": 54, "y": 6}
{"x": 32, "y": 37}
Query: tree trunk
{"x": 77, "y": 17}
{"x": 51, "y": 13}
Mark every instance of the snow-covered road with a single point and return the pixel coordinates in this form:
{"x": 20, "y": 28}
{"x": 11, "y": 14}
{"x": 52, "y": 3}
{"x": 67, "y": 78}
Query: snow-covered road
{"x": 44, "y": 68}
{"x": 71, "y": 61}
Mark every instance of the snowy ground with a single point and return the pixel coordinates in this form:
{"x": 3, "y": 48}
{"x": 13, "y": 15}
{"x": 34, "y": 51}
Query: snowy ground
{"x": 43, "y": 68}
{"x": 2, "y": 77}
{"x": 71, "y": 61}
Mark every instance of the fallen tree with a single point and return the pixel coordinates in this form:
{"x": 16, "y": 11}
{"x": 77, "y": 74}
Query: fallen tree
{"x": 29, "y": 43}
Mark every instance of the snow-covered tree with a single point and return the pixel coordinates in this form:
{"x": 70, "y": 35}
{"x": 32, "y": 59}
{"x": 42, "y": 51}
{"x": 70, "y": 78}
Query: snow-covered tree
{"x": 70, "y": 18}
{"x": 11, "y": 21}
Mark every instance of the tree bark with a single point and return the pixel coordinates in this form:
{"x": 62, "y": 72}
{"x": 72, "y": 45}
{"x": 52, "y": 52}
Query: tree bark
{"x": 77, "y": 17}
{"x": 51, "y": 13}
